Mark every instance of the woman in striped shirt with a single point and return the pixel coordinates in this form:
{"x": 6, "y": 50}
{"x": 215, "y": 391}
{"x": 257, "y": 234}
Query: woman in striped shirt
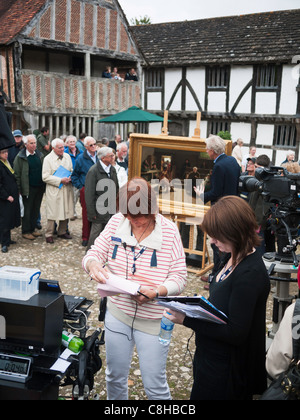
{"x": 140, "y": 245}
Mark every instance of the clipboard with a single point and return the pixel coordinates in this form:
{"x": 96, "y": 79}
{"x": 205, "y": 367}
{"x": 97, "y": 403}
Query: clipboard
{"x": 194, "y": 306}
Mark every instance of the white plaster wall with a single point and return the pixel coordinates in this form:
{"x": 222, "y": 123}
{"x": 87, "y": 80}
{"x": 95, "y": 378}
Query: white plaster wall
{"x": 265, "y": 134}
{"x": 155, "y": 128}
{"x": 262, "y": 151}
{"x": 203, "y": 128}
{"x": 154, "y": 100}
{"x": 172, "y": 78}
{"x": 244, "y": 106}
{"x": 196, "y": 78}
{"x": 241, "y": 130}
{"x": 288, "y": 100}
{"x": 239, "y": 78}
{"x": 280, "y": 157}
{"x": 216, "y": 102}
{"x": 265, "y": 103}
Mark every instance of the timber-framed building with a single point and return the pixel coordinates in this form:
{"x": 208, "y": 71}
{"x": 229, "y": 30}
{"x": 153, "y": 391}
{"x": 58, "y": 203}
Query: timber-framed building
{"x": 53, "y": 53}
{"x": 241, "y": 72}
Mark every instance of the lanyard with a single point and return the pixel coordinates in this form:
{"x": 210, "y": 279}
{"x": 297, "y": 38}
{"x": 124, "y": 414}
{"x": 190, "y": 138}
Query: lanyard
{"x": 136, "y": 257}
{"x": 228, "y": 271}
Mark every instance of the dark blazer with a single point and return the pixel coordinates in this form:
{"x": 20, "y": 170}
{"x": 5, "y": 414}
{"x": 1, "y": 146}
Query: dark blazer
{"x": 224, "y": 179}
{"x": 9, "y": 212}
{"x": 93, "y": 192}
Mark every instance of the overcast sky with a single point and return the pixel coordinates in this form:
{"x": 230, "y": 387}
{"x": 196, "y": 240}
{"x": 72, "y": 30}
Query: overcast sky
{"x": 177, "y": 10}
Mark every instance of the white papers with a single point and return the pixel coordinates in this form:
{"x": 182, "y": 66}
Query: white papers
{"x": 61, "y": 364}
{"x": 194, "y": 307}
{"x": 115, "y": 285}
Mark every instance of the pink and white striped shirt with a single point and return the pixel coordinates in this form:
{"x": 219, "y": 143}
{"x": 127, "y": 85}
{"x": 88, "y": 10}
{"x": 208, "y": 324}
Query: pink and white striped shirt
{"x": 167, "y": 267}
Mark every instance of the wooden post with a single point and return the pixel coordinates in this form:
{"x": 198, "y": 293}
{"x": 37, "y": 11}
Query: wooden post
{"x": 197, "y": 129}
{"x": 164, "y": 130}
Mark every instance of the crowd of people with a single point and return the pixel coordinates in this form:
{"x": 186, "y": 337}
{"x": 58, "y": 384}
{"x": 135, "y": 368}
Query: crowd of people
{"x": 36, "y": 168}
{"x": 131, "y": 75}
{"x": 130, "y": 239}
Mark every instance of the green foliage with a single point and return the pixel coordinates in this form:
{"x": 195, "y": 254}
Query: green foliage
{"x": 225, "y": 135}
{"x": 146, "y": 20}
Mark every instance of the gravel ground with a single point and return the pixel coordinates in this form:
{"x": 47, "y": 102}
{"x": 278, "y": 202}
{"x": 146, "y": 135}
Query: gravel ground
{"x": 62, "y": 261}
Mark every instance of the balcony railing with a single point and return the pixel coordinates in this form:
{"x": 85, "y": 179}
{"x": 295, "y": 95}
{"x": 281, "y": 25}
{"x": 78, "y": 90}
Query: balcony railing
{"x": 64, "y": 94}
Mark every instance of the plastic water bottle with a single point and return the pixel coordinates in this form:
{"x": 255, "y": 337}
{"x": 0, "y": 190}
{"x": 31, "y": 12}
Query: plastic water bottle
{"x": 166, "y": 329}
{"x": 72, "y": 342}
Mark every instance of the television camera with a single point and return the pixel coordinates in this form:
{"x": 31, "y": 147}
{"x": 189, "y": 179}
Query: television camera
{"x": 279, "y": 193}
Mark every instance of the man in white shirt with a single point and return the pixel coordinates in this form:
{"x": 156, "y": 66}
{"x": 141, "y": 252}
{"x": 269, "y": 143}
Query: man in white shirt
{"x": 122, "y": 152}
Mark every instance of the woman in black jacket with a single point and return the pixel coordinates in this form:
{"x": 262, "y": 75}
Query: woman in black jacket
{"x": 229, "y": 362}
{"x": 9, "y": 201}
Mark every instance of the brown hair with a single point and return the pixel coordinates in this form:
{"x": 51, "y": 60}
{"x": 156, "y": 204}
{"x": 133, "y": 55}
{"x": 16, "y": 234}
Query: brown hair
{"x": 232, "y": 220}
{"x": 137, "y": 198}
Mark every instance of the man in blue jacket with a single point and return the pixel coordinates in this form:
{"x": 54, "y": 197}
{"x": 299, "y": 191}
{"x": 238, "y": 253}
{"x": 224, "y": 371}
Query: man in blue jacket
{"x": 83, "y": 163}
{"x": 226, "y": 171}
{"x": 224, "y": 180}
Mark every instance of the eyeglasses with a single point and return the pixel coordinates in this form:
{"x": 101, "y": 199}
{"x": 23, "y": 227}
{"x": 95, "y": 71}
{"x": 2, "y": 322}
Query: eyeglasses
{"x": 92, "y": 145}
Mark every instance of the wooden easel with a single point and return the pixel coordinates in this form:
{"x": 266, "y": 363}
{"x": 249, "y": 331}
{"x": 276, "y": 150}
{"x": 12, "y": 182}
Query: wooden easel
{"x": 193, "y": 214}
{"x": 174, "y": 211}
{"x": 197, "y": 131}
{"x": 164, "y": 130}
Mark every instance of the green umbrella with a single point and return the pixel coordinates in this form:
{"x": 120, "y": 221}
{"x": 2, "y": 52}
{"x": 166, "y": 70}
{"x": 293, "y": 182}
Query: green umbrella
{"x": 133, "y": 114}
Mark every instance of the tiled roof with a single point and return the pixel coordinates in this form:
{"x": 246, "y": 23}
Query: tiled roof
{"x": 261, "y": 37}
{"x": 15, "y": 16}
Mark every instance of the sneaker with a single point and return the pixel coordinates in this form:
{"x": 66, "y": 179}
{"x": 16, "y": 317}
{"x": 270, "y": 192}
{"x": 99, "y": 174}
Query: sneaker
{"x": 28, "y": 236}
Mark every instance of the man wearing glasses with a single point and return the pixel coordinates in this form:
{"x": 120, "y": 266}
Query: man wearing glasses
{"x": 83, "y": 164}
{"x": 101, "y": 189}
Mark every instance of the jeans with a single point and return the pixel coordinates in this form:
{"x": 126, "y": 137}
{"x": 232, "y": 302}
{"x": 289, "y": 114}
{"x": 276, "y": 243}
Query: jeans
{"x": 120, "y": 340}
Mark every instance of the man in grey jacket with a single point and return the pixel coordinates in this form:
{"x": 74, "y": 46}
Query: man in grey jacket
{"x": 101, "y": 189}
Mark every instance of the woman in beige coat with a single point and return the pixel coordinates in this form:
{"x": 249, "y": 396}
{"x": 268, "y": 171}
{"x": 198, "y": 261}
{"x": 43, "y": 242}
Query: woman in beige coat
{"x": 280, "y": 353}
{"x": 59, "y": 192}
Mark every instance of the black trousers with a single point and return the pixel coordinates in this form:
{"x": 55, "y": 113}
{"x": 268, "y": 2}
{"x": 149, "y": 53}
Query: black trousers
{"x": 32, "y": 205}
{"x": 5, "y": 237}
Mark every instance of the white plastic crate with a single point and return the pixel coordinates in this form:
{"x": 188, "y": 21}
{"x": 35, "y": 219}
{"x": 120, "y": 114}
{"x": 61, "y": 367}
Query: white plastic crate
{"x": 18, "y": 283}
